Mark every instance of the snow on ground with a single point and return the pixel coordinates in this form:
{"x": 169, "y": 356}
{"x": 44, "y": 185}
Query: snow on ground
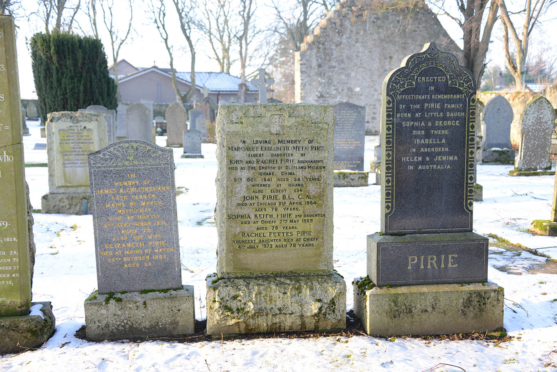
{"x": 65, "y": 274}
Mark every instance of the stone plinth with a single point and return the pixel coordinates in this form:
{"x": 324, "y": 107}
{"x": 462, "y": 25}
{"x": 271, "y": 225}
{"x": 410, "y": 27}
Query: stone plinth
{"x": 350, "y": 179}
{"x": 278, "y": 304}
{"x": 427, "y": 258}
{"x": 478, "y": 192}
{"x": 543, "y": 227}
{"x": 140, "y": 314}
{"x": 21, "y": 333}
{"x": 429, "y": 309}
{"x": 65, "y": 203}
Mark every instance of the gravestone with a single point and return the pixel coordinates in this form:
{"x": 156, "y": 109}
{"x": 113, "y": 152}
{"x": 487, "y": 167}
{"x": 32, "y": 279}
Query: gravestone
{"x": 32, "y": 111}
{"x": 497, "y": 117}
{"x": 192, "y": 144}
{"x": 139, "y": 122}
{"x": 193, "y": 115}
{"x": 547, "y": 227}
{"x": 137, "y": 247}
{"x": 71, "y": 136}
{"x": 427, "y": 163}
{"x": 350, "y": 145}
{"x": 176, "y": 124}
{"x": 109, "y": 118}
{"x": 121, "y": 123}
{"x": 24, "y": 130}
{"x": 375, "y": 165}
{"x": 275, "y": 222}
{"x": 23, "y": 324}
{"x": 261, "y": 84}
{"x": 149, "y": 105}
{"x": 40, "y": 146}
{"x": 538, "y": 124}
{"x": 201, "y": 125}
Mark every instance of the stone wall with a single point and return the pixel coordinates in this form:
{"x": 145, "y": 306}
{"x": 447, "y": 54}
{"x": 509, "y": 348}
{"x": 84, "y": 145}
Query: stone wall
{"x": 351, "y": 52}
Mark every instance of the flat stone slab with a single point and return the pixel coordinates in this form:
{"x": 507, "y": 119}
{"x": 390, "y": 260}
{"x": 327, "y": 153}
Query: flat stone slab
{"x": 64, "y": 203}
{"x": 21, "y": 333}
{"x": 275, "y": 304}
{"x": 350, "y": 179}
{"x": 140, "y": 314}
{"x": 192, "y": 156}
{"x": 429, "y": 309}
{"x": 427, "y": 258}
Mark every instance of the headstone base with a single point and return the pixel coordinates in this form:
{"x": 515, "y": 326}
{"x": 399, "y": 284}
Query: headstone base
{"x": 43, "y": 132}
{"x": 21, "y": 333}
{"x": 65, "y": 204}
{"x": 192, "y": 156}
{"x": 478, "y": 192}
{"x": 140, "y": 314}
{"x": 350, "y": 179}
{"x": 429, "y": 309}
{"x": 25, "y": 132}
{"x": 276, "y": 304}
{"x": 543, "y": 227}
{"x": 498, "y": 156}
{"x": 536, "y": 173}
{"x": 427, "y": 258}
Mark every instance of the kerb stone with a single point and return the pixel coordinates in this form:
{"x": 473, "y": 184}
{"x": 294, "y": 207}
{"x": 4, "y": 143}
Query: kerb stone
{"x": 351, "y": 179}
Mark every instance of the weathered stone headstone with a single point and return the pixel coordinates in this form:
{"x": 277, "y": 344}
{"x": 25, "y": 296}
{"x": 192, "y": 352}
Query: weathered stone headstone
{"x": 375, "y": 165}
{"x": 427, "y": 163}
{"x": 274, "y": 222}
{"x": 149, "y": 105}
{"x": 193, "y": 115}
{"x": 121, "y": 123}
{"x": 24, "y": 129}
{"x": 19, "y": 331}
{"x": 109, "y": 118}
{"x": 137, "y": 247}
{"x": 176, "y": 124}
{"x": 71, "y": 136}
{"x": 350, "y": 145}
{"x": 538, "y": 124}
{"x": 497, "y": 117}
{"x": 32, "y": 111}
{"x": 192, "y": 144}
{"x": 139, "y": 122}
{"x": 201, "y": 125}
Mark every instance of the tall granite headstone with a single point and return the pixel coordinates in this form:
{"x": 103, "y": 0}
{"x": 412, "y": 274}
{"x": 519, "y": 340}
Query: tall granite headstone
{"x": 137, "y": 247}
{"x": 19, "y": 331}
{"x": 71, "y": 136}
{"x": 192, "y": 144}
{"x": 275, "y": 221}
{"x": 349, "y": 136}
{"x": 497, "y": 117}
{"x": 176, "y": 124}
{"x": 538, "y": 124}
{"x": 139, "y": 122}
{"x": 121, "y": 124}
{"x": 428, "y": 129}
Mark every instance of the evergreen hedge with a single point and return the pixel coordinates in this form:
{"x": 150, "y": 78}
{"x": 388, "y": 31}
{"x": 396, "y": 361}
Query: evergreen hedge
{"x": 70, "y": 73}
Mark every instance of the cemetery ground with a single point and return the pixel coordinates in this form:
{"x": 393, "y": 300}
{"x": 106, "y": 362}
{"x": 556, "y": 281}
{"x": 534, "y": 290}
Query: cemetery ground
{"x": 520, "y": 262}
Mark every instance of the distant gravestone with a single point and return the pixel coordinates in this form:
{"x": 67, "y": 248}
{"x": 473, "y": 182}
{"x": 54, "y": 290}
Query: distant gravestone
{"x": 201, "y": 125}
{"x": 40, "y": 146}
{"x": 71, "y": 137}
{"x": 538, "y": 124}
{"x": 25, "y": 130}
{"x": 121, "y": 125}
{"x": 139, "y": 122}
{"x": 137, "y": 246}
{"x": 193, "y": 115}
{"x": 176, "y": 124}
{"x": 109, "y": 118}
{"x": 149, "y": 105}
{"x": 349, "y": 136}
{"x": 261, "y": 84}
{"x": 497, "y": 117}
{"x": 32, "y": 111}
{"x": 192, "y": 144}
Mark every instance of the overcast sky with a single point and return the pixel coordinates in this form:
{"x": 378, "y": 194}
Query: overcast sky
{"x": 146, "y": 48}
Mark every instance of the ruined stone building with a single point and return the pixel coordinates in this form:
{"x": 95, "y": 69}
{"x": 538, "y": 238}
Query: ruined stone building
{"x": 351, "y": 52}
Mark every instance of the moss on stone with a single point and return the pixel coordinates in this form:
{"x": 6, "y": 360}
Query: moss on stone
{"x": 145, "y": 291}
{"x": 92, "y": 296}
{"x": 477, "y": 186}
{"x": 543, "y": 227}
{"x": 515, "y": 173}
{"x": 365, "y": 285}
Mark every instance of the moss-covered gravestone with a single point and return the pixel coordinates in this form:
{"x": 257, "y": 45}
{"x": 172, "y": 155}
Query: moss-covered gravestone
{"x": 547, "y": 227}
{"x": 275, "y": 222}
{"x": 426, "y": 241}
{"x": 23, "y": 324}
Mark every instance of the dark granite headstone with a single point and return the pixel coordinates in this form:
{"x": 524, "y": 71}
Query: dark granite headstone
{"x": 427, "y": 134}
{"x": 350, "y": 135}
{"x": 133, "y": 196}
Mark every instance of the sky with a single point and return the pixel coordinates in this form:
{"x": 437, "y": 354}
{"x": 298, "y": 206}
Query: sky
{"x": 145, "y": 47}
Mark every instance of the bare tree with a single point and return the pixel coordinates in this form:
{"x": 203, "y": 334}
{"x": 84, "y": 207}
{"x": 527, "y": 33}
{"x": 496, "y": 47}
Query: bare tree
{"x": 245, "y": 37}
{"x": 219, "y": 31}
{"x": 56, "y": 9}
{"x": 9, "y": 7}
{"x": 158, "y": 11}
{"x": 91, "y": 13}
{"x": 516, "y": 62}
{"x": 186, "y": 10}
{"x": 476, "y": 29}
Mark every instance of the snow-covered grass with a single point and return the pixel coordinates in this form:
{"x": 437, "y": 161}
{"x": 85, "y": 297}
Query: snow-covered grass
{"x": 65, "y": 274}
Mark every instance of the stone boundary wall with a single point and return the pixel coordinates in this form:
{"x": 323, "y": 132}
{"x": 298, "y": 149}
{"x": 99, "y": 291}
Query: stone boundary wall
{"x": 353, "y": 49}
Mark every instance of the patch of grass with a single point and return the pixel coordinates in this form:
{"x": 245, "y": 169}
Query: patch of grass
{"x": 511, "y": 361}
{"x": 36, "y": 165}
{"x": 504, "y": 243}
{"x": 37, "y": 210}
{"x": 365, "y": 285}
{"x": 74, "y": 227}
{"x": 92, "y": 296}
